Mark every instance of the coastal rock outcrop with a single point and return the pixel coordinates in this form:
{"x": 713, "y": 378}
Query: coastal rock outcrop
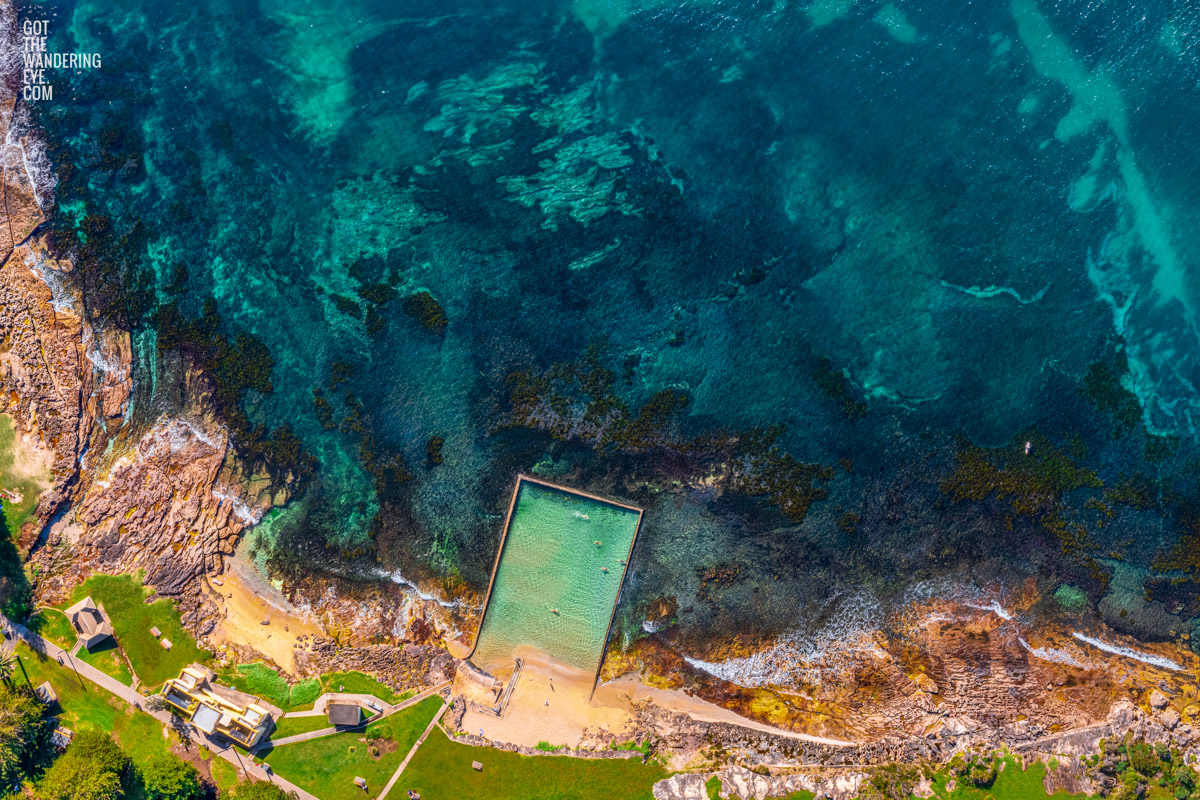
{"x": 45, "y": 378}
{"x": 123, "y": 495}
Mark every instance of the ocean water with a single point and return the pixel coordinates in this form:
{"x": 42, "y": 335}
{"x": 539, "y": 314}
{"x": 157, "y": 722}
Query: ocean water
{"x": 559, "y": 577}
{"x": 892, "y": 229}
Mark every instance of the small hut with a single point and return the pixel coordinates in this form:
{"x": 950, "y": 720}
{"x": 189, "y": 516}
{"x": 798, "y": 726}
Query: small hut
{"x": 45, "y": 693}
{"x": 91, "y": 624}
{"x": 343, "y": 714}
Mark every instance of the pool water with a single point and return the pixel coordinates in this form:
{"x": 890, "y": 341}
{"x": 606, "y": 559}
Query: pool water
{"x": 549, "y": 563}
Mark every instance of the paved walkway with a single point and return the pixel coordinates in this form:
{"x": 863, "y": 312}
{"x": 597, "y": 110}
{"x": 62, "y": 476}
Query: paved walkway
{"x": 304, "y": 737}
{"x": 396, "y": 775}
{"x": 113, "y": 686}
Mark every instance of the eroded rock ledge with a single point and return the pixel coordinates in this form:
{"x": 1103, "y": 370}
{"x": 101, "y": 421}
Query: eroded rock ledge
{"x": 167, "y": 495}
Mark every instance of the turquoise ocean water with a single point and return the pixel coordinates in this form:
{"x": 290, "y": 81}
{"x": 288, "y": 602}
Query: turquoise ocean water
{"x": 886, "y": 239}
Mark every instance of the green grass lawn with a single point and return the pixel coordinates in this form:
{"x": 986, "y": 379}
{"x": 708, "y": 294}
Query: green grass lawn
{"x": 53, "y": 624}
{"x": 262, "y": 681}
{"x": 224, "y": 774}
{"x": 28, "y": 486}
{"x": 140, "y": 735}
{"x": 124, "y": 598}
{"x": 441, "y": 770}
{"x": 358, "y": 683}
{"x": 290, "y": 726}
{"x": 1011, "y": 784}
{"x": 108, "y": 659}
{"x": 327, "y": 766}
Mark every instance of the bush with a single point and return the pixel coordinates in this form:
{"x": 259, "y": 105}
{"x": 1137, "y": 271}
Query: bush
{"x": 893, "y": 782}
{"x": 979, "y": 770}
{"x": 166, "y": 777}
{"x": 983, "y": 771}
{"x": 93, "y": 768}
{"x": 1143, "y": 759}
{"x": 23, "y": 735}
{"x": 1130, "y": 788}
{"x": 261, "y": 790}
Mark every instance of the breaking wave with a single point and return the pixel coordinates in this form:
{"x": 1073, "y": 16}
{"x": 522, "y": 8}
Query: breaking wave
{"x": 1054, "y": 654}
{"x": 1129, "y": 652}
{"x": 809, "y": 653}
{"x": 395, "y": 577}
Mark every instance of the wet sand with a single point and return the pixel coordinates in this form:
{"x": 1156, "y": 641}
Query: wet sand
{"x": 248, "y": 600}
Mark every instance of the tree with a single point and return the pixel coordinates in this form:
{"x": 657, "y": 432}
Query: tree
{"x": 154, "y": 702}
{"x": 8, "y": 662}
{"x": 23, "y": 733}
{"x": 92, "y": 769}
{"x": 169, "y": 778}
{"x": 261, "y": 790}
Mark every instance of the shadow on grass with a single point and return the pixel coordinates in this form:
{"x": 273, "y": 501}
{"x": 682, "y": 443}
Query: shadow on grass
{"x": 108, "y": 644}
{"x": 15, "y": 593}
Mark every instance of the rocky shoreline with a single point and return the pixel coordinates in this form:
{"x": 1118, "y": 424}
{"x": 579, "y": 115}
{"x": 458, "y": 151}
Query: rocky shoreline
{"x": 167, "y": 495}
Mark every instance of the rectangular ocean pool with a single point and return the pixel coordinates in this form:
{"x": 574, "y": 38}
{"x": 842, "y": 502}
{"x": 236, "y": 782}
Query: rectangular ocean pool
{"x": 557, "y": 578}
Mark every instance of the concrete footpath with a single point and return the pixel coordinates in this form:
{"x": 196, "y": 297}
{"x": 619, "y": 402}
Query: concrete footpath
{"x": 412, "y": 752}
{"x": 113, "y": 686}
{"x": 304, "y": 737}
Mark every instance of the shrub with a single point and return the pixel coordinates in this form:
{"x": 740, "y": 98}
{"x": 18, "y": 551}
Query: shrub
{"x": 261, "y": 790}
{"x": 893, "y": 782}
{"x": 166, "y": 777}
{"x": 1143, "y": 759}
{"x": 92, "y": 769}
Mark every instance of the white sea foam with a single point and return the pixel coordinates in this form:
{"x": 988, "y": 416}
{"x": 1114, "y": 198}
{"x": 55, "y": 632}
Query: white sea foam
{"x": 179, "y": 433}
{"x": 24, "y": 152}
{"x": 1054, "y": 654}
{"x": 109, "y": 365}
{"x": 807, "y": 653}
{"x": 61, "y": 297}
{"x": 1128, "y": 652}
{"x": 395, "y": 577}
{"x": 242, "y": 511}
{"x": 995, "y": 607}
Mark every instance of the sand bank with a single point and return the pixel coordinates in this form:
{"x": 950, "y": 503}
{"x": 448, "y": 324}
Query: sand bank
{"x": 248, "y": 601}
{"x": 570, "y": 712}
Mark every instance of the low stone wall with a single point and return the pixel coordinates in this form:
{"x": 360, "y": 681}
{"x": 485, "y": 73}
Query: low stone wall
{"x": 479, "y": 741}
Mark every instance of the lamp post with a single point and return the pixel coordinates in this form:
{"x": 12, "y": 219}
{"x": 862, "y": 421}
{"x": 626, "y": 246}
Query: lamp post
{"x": 21, "y": 664}
{"x": 76, "y": 669}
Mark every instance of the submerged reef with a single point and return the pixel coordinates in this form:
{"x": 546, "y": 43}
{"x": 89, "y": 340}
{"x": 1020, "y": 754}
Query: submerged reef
{"x": 746, "y": 268}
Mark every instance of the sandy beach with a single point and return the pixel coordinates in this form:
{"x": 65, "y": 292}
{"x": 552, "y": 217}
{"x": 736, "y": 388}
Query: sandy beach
{"x": 551, "y": 703}
{"x": 248, "y": 601}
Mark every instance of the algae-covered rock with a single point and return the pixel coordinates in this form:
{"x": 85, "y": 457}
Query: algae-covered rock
{"x": 422, "y": 307}
{"x": 1070, "y": 597}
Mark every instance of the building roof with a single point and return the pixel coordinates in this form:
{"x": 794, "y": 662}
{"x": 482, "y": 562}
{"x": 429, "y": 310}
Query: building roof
{"x": 61, "y": 736}
{"x": 90, "y": 622}
{"x": 215, "y": 709}
{"x": 344, "y": 713}
{"x": 206, "y": 717}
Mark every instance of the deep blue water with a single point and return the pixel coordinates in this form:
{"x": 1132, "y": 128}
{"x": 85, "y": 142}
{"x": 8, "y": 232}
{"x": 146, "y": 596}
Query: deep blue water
{"x": 940, "y": 213}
